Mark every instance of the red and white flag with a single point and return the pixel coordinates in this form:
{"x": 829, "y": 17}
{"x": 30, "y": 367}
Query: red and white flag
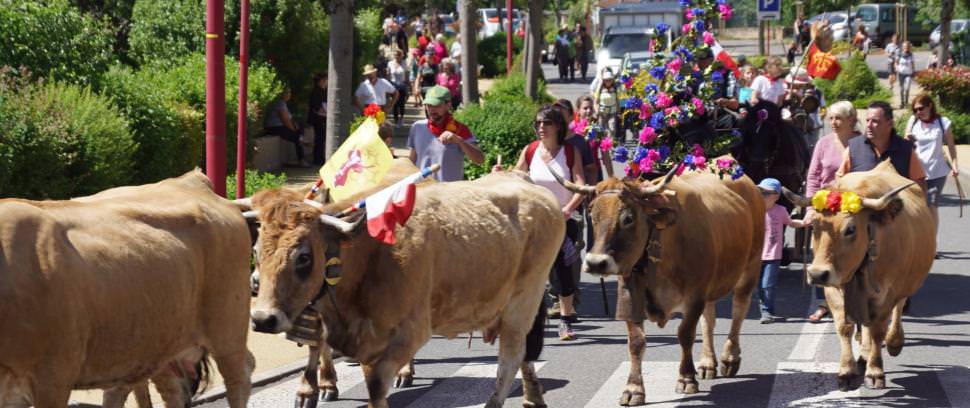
{"x": 721, "y": 55}
{"x": 392, "y": 206}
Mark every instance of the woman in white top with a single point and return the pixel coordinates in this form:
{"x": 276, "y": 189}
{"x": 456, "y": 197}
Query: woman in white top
{"x": 929, "y": 131}
{"x": 398, "y": 74}
{"x": 549, "y": 154}
{"x": 905, "y": 68}
{"x": 769, "y": 87}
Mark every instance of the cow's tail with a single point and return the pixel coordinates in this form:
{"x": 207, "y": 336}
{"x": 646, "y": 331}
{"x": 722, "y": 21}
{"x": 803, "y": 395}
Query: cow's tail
{"x": 536, "y": 336}
{"x": 204, "y": 368}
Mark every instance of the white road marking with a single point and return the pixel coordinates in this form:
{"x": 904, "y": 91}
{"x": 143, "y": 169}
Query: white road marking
{"x": 809, "y": 384}
{"x": 810, "y": 340}
{"x": 348, "y": 376}
{"x": 470, "y": 386}
{"x": 659, "y": 381}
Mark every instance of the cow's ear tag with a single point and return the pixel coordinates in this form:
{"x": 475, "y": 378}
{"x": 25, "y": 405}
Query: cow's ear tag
{"x": 333, "y": 271}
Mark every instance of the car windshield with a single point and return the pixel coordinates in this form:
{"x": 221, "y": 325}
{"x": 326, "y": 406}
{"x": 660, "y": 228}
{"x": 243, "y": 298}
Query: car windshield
{"x": 617, "y": 45}
{"x": 491, "y": 13}
{"x": 957, "y": 26}
{"x": 866, "y": 14}
{"x": 836, "y": 18}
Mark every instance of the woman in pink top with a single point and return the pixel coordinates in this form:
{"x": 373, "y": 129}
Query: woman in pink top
{"x": 440, "y": 50}
{"x": 449, "y": 79}
{"x": 826, "y": 160}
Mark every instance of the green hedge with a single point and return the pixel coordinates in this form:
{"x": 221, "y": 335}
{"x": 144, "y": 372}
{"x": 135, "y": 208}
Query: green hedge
{"x": 54, "y": 40}
{"x": 367, "y": 38}
{"x": 255, "y": 181}
{"x": 169, "y": 143}
{"x": 501, "y": 128}
{"x": 492, "y": 54}
{"x": 512, "y": 89}
{"x": 60, "y": 141}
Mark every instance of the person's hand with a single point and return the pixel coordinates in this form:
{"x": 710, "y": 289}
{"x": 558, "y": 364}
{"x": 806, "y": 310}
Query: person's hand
{"x": 567, "y": 213}
{"x": 909, "y": 137}
{"x": 497, "y": 168}
{"x": 448, "y": 138}
{"x": 955, "y": 171}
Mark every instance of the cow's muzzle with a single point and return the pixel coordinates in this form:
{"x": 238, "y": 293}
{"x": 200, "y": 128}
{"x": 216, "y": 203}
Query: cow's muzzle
{"x": 600, "y": 264}
{"x": 269, "y": 321}
{"x": 819, "y": 275}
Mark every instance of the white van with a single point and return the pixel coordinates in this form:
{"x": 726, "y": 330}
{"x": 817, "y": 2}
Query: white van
{"x": 489, "y": 22}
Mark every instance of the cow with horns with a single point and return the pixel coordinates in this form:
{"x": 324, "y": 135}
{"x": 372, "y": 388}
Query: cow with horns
{"x": 874, "y": 242}
{"x": 678, "y": 245}
{"x": 392, "y": 298}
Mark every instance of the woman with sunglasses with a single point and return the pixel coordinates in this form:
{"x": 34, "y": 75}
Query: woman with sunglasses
{"x": 929, "y": 131}
{"x": 539, "y": 158}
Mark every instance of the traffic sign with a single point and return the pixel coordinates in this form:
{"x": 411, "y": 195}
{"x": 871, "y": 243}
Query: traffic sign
{"x": 769, "y": 10}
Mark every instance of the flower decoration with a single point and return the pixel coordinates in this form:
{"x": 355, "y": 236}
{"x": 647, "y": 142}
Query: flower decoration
{"x": 374, "y": 110}
{"x": 834, "y": 201}
{"x": 669, "y": 91}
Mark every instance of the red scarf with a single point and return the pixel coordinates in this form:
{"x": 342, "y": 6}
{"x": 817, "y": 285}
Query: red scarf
{"x": 449, "y": 124}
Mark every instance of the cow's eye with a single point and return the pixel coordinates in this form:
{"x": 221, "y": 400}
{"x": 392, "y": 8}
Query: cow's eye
{"x": 626, "y": 220}
{"x": 303, "y": 260}
{"x": 850, "y": 230}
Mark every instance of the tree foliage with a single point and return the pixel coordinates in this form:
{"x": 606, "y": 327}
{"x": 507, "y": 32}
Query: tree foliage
{"x": 166, "y": 30}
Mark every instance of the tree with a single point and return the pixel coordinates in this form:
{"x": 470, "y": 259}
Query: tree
{"x": 946, "y": 16}
{"x": 469, "y": 54}
{"x": 339, "y": 113}
{"x": 532, "y": 50}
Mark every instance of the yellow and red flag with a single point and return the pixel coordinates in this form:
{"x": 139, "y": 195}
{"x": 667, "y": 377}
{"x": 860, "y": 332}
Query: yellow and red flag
{"x": 360, "y": 163}
{"x": 822, "y": 64}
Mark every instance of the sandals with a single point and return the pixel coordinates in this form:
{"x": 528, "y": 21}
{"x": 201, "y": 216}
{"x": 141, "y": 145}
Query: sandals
{"x": 819, "y": 314}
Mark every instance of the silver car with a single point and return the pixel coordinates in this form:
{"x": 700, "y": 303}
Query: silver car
{"x": 838, "y": 20}
{"x": 956, "y": 26}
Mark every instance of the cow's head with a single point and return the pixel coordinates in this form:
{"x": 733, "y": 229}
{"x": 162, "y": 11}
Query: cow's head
{"x": 623, "y": 213}
{"x": 295, "y": 237}
{"x": 843, "y": 235}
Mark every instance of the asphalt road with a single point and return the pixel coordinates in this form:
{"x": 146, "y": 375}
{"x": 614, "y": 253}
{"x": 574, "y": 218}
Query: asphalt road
{"x": 791, "y": 363}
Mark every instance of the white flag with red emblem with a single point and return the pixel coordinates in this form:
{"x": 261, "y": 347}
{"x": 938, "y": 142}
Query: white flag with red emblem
{"x": 721, "y": 55}
{"x": 392, "y": 206}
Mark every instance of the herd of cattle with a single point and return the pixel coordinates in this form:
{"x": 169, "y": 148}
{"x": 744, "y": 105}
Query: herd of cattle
{"x": 136, "y": 283}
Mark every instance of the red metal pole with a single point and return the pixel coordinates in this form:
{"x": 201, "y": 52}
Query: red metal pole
{"x": 508, "y": 36}
{"x": 215, "y": 95}
{"x": 243, "y": 89}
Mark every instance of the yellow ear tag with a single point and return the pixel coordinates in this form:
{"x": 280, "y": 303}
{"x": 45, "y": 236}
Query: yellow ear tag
{"x": 333, "y": 262}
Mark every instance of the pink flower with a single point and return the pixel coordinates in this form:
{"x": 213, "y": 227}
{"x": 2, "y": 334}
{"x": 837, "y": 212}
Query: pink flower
{"x": 697, "y": 150}
{"x": 606, "y": 144}
{"x": 652, "y": 45}
{"x": 726, "y": 11}
{"x": 708, "y": 38}
{"x": 724, "y": 164}
{"x": 644, "y": 111}
{"x": 647, "y": 135}
{"x": 579, "y": 126}
{"x": 680, "y": 168}
{"x": 675, "y": 65}
{"x": 663, "y": 100}
{"x": 700, "y": 162}
{"x": 672, "y": 121}
{"x": 698, "y": 105}
{"x": 689, "y": 14}
{"x": 653, "y": 155}
{"x": 646, "y": 165}
{"x": 686, "y": 28}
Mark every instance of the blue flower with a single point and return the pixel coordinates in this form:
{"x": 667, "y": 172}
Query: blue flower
{"x": 662, "y": 28}
{"x": 651, "y": 88}
{"x": 652, "y": 98}
{"x": 699, "y": 26}
{"x": 735, "y": 133}
{"x": 664, "y": 152}
{"x": 679, "y": 78}
{"x": 698, "y": 11}
{"x": 684, "y": 3}
{"x": 738, "y": 172}
{"x": 640, "y": 154}
{"x": 689, "y": 161}
{"x": 658, "y": 72}
{"x": 592, "y": 133}
{"x": 620, "y": 154}
{"x": 684, "y": 53}
{"x": 657, "y": 120}
{"x": 717, "y": 76}
{"x": 720, "y": 2}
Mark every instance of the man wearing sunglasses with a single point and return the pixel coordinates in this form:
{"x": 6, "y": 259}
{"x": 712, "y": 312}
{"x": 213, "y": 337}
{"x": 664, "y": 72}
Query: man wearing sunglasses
{"x": 442, "y": 139}
{"x": 882, "y": 143}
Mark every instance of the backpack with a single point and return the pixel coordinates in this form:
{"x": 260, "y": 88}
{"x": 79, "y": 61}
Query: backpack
{"x": 570, "y": 152}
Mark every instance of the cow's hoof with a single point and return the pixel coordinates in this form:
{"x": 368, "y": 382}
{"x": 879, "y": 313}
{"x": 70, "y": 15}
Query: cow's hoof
{"x": 708, "y": 373}
{"x": 403, "y": 381}
{"x": 876, "y": 382}
{"x": 632, "y": 399}
{"x": 845, "y": 383}
{"x": 330, "y": 395}
{"x": 894, "y": 350}
{"x": 730, "y": 368}
{"x": 307, "y": 402}
{"x": 686, "y": 386}
{"x": 531, "y": 404}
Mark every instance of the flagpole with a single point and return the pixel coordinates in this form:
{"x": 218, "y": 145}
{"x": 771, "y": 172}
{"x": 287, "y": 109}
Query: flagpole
{"x": 425, "y": 172}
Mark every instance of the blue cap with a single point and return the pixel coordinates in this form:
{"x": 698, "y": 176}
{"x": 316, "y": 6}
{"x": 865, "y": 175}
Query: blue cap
{"x": 770, "y": 185}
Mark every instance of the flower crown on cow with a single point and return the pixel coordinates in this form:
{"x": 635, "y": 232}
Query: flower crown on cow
{"x": 834, "y": 201}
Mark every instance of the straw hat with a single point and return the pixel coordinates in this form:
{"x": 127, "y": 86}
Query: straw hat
{"x": 369, "y": 69}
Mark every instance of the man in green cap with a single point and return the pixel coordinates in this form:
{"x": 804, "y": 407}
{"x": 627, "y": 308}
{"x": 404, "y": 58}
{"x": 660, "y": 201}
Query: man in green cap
{"x": 442, "y": 139}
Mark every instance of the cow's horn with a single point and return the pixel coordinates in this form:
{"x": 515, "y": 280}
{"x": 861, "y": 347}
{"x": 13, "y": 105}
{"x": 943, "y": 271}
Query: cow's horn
{"x": 341, "y": 225}
{"x": 649, "y": 189}
{"x": 313, "y": 204}
{"x": 244, "y": 204}
{"x": 881, "y": 202}
{"x": 586, "y": 190}
{"x": 251, "y": 214}
{"x": 795, "y": 198}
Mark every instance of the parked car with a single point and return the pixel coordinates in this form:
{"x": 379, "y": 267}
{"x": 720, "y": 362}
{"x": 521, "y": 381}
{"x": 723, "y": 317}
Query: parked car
{"x": 880, "y": 22}
{"x": 838, "y": 20}
{"x": 618, "y": 40}
{"x": 956, "y": 26}
{"x": 449, "y": 24}
{"x": 634, "y": 62}
{"x": 490, "y": 23}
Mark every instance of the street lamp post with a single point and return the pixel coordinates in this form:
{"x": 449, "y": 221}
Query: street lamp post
{"x": 215, "y": 95}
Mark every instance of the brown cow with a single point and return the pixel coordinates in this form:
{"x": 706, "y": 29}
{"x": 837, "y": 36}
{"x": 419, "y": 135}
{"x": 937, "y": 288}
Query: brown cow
{"x": 104, "y": 291}
{"x": 869, "y": 262}
{"x": 678, "y": 246}
{"x": 501, "y": 232}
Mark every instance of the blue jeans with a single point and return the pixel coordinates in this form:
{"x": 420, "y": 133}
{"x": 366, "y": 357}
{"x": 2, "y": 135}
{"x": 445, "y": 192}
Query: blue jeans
{"x": 766, "y": 289}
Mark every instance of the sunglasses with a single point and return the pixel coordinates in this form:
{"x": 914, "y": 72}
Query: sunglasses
{"x": 543, "y": 123}
{"x": 918, "y": 108}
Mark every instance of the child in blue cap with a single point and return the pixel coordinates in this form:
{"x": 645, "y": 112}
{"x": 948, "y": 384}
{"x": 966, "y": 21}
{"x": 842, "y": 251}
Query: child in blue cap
{"x": 776, "y": 217}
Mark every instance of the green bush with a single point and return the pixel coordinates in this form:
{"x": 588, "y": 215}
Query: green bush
{"x": 166, "y": 30}
{"x": 502, "y": 128}
{"x": 255, "y": 181}
{"x": 367, "y": 38}
{"x": 60, "y": 141}
{"x": 54, "y": 40}
{"x": 950, "y": 86}
{"x": 168, "y": 145}
{"x": 492, "y": 54}
{"x": 758, "y": 61}
{"x": 512, "y": 89}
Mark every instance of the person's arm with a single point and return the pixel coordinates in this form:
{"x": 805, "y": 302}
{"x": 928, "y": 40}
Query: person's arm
{"x": 799, "y": 223}
{"x": 286, "y": 119}
{"x": 607, "y": 164}
{"x": 521, "y": 164}
{"x": 952, "y": 148}
{"x": 755, "y": 91}
{"x": 413, "y": 153}
{"x": 916, "y": 172}
{"x": 578, "y": 179}
{"x": 471, "y": 150}
{"x": 846, "y": 164}
{"x": 814, "y": 179}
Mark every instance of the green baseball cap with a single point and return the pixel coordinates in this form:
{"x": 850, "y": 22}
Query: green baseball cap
{"x": 437, "y": 95}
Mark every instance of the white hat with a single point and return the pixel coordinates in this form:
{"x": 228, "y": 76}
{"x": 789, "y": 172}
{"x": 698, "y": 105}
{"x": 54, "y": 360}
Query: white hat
{"x": 799, "y": 77}
{"x": 607, "y": 74}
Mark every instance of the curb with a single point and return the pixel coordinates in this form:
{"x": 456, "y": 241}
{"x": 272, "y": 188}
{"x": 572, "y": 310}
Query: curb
{"x": 261, "y": 379}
